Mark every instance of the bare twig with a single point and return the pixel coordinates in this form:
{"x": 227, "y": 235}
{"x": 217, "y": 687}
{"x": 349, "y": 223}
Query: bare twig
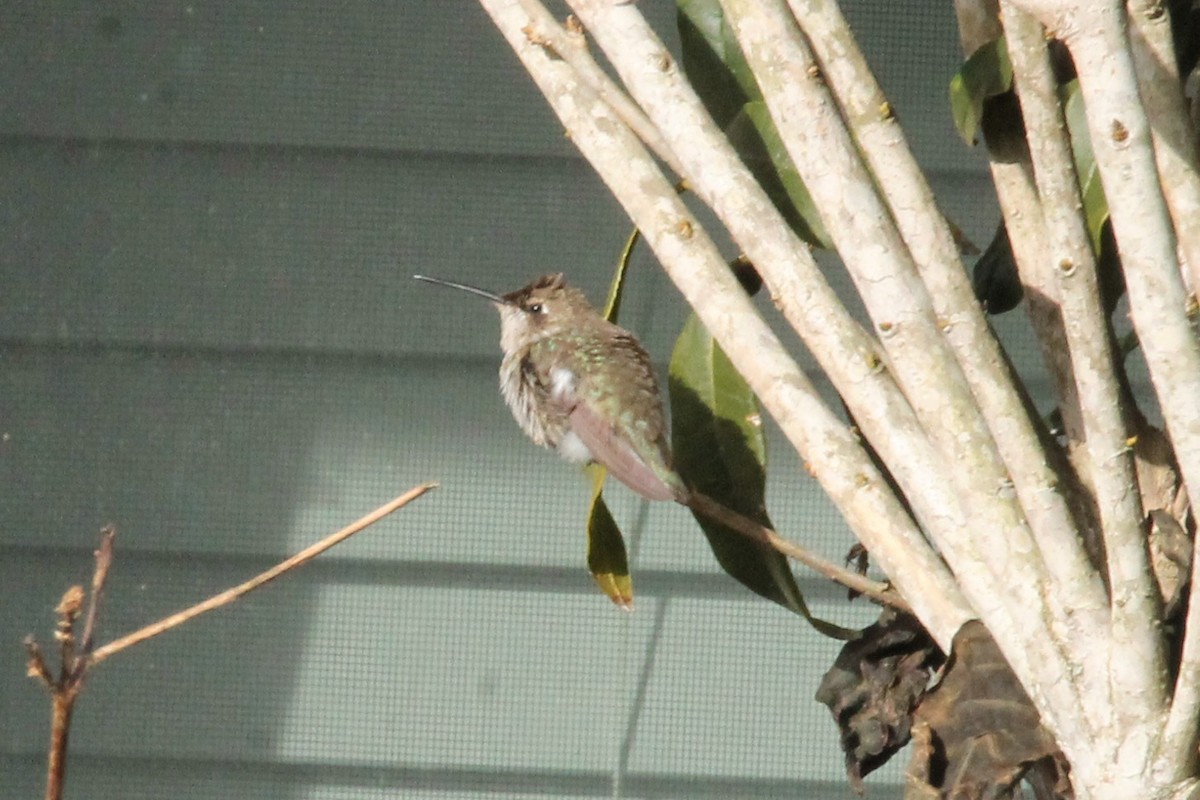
{"x": 104, "y": 556}
{"x": 73, "y": 662}
{"x": 230, "y": 595}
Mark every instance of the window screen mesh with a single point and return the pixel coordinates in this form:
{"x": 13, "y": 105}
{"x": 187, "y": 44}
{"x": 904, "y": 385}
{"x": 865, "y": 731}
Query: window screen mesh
{"x": 209, "y": 337}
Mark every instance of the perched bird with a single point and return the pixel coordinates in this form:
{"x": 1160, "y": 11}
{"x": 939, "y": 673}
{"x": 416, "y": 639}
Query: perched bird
{"x": 581, "y": 385}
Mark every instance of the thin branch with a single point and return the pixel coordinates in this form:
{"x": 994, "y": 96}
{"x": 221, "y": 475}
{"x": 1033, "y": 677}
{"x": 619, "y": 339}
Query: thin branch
{"x": 935, "y": 256}
{"x": 571, "y": 46}
{"x": 994, "y": 553}
{"x": 881, "y": 592}
{"x": 73, "y": 663}
{"x": 104, "y": 558}
{"x": 696, "y": 266}
{"x": 230, "y": 595}
{"x": 1174, "y": 138}
{"x": 1140, "y": 672}
{"x": 62, "y": 706}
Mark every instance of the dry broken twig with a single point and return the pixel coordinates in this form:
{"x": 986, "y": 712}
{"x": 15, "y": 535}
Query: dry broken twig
{"x": 229, "y": 595}
{"x": 77, "y": 654}
{"x": 65, "y": 687}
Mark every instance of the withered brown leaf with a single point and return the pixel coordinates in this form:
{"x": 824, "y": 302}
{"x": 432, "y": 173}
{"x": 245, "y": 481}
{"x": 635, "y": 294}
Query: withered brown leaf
{"x": 979, "y": 734}
{"x": 873, "y": 687}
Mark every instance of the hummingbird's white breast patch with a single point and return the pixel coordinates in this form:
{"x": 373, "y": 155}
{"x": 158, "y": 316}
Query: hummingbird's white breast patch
{"x": 573, "y": 449}
{"x": 562, "y": 384}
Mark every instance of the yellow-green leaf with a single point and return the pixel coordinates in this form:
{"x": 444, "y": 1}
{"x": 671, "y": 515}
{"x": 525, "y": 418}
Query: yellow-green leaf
{"x": 986, "y": 73}
{"x": 616, "y": 289}
{"x": 606, "y": 556}
{"x": 607, "y": 560}
{"x": 1095, "y": 204}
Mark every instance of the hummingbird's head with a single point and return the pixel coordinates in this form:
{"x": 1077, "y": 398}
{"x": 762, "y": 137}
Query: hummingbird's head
{"x": 546, "y": 307}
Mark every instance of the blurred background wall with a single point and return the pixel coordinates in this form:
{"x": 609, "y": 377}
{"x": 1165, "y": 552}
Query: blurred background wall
{"x": 210, "y": 213}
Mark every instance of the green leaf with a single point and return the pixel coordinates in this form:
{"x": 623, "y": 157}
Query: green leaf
{"x": 720, "y": 451}
{"x": 987, "y": 73}
{"x": 712, "y": 60}
{"x": 754, "y": 135}
{"x": 1095, "y": 204}
{"x": 616, "y": 290}
{"x": 607, "y": 560}
{"x": 716, "y": 67}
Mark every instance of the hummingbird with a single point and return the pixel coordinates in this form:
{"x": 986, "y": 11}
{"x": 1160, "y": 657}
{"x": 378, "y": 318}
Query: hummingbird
{"x": 581, "y": 385}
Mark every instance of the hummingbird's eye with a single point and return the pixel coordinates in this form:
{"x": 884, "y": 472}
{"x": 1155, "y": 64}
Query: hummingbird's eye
{"x": 536, "y": 308}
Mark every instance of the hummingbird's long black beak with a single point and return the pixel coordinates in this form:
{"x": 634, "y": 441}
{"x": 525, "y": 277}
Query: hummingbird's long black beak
{"x": 495, "y": 298}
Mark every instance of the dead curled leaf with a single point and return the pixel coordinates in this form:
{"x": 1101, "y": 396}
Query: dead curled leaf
{"x": 873, "y": 687}
{"x": 978, "y": 735}
{"x": 1168, "y": 513}
{"x": 975, "y": 734}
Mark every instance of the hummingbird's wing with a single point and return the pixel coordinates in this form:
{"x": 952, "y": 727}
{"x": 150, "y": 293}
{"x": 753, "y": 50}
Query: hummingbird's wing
{"x": 610, "y": 448}
{"x": 616, "y": 412}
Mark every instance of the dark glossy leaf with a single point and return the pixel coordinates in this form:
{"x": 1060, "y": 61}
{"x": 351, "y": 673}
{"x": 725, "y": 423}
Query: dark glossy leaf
{"x": 995, "y": 280}
{"x": 606, "y": 556}
{"x": 987, "y": 73}
{"x": 712, "y": 59}
{"x": 720, "y": 451}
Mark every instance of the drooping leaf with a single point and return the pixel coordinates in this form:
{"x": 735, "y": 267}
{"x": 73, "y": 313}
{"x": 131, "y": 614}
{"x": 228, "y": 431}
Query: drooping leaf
{"x": 874, "y": 687}
{"x": 717, "y": 438}
{"x": 606, "y": 556}
{"x": 986, "y": 73}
